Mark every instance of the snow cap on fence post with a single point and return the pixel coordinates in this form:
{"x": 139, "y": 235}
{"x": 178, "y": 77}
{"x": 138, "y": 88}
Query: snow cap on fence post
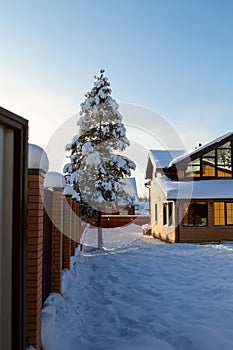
{"x": 68, "y": 191}
{"x": 37, "y": 158}
{"x": 54, "y": 180}
{"x": 76, "y": 196}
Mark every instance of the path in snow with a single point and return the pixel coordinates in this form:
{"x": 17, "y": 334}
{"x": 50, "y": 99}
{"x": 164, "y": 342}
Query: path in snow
{"x": 144, "y": 297}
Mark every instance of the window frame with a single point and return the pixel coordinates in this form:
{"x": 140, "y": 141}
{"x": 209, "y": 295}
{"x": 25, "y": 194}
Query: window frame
{"x": 225, "y": 214}
{"x": 186, "y": 213}
{"x": 156, "y": 212}
{"x": 200, "y": 162}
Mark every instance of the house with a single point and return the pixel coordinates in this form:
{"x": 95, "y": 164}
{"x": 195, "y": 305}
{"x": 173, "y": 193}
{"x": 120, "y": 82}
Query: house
{"x": 121, "y": 206}
{"x": 191, "y": 194}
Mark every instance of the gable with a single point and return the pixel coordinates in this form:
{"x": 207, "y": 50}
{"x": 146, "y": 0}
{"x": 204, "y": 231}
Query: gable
{"x": 160, "y": 159}
{"x": 213, "y": 160}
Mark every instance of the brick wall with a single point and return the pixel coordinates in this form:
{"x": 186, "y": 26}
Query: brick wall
{"x": 57, "y": 228}
{"x": 109, "y": 221}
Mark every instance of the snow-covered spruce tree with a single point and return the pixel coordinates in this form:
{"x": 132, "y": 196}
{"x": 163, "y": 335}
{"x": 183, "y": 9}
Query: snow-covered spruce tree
{"x": 95, "y": 170}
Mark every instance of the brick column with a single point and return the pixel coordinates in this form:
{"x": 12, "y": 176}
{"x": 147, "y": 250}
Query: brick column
{"x": 37, "y": 160}
{"x": 57, "y": 182}
{"x": 67, "y": 231}
{"x": 56, "y": 250}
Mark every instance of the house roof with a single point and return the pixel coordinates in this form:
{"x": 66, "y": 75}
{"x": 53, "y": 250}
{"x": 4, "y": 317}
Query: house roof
{"x": 205, "y": 148}
{"x": 131, "y": 188}
{"x": 203, "y": 189}
{"x": 159, "y": 159}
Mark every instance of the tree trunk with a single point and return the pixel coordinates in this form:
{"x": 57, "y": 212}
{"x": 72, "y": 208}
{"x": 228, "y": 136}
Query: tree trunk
{"x": 100, "y": 236}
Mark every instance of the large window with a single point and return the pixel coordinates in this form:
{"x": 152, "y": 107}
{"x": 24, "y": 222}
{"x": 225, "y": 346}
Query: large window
{"x": 216, "y": 163}
{"x": 223, "y": 213}
{"x": 195, "y": 214}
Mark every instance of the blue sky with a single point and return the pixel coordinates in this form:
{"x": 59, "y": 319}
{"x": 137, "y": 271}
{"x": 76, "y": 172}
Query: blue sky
{"x": 172, "y": 56}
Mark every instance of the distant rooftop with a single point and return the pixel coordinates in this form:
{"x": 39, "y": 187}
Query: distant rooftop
{"x": 131, "y": 188}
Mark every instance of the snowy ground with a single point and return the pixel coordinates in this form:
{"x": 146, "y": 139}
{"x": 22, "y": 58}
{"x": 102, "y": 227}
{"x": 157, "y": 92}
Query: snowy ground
{"x": 142, "y": 297}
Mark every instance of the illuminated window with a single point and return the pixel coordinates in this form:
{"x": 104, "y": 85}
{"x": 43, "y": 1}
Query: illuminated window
{"x": 208, "y": 164}
{"x": 215, "y": 163}
{"x": 219, "y": 213}
{"x": 223, "y": 213}
{"x": 229, "y": 213}
{"x": 208, "y": 168}
{"x": 195, "y": 214}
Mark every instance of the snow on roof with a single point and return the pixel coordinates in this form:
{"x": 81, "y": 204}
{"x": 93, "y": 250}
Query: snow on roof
{"x": 196, "y": 150}
{"x": 131, "y": 188}
{"x": 54, "y": 179}
{"x": 37, "y": 158}
{"x": 162, "y": 158}
{"x": 203, "y": 189}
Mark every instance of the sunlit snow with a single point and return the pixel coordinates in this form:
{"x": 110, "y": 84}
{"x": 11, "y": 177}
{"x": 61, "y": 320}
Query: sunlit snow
{"x": 144, "y": 296}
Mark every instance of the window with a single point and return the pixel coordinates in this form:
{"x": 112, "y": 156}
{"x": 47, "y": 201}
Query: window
{"x": 208, "y": 164}
{"x": 216, "y": 163}
{"x": 223, "y": 213}
{"x": 195, "y": 214}
{"x": 165, "y": 214}
{"x": 193, "y": 168}
{"x": 219, "y": 213}
{"x": 170, "y": 213}
{"x": 156, "y": 212}
{"x": 224, "y": 165}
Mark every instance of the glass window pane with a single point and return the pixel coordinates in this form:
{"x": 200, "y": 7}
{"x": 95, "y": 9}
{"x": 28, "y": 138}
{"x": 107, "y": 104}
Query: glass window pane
{"x": 226, "y": 145}
{"x": 224, "y": 171}
{"x": 219, "y": 213}
{"x": 156, "y": 212}
{"x": 210, "y": 154}
{"x": 165, "y": 214}
{"x": 193, "y": 168}
{"x": 170, "y": 213}
{"x": 224, "y": 156}
{"x": 229, "y": 213}
{"x": 196, "y": 214}
{"x": 208, "y": 167}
